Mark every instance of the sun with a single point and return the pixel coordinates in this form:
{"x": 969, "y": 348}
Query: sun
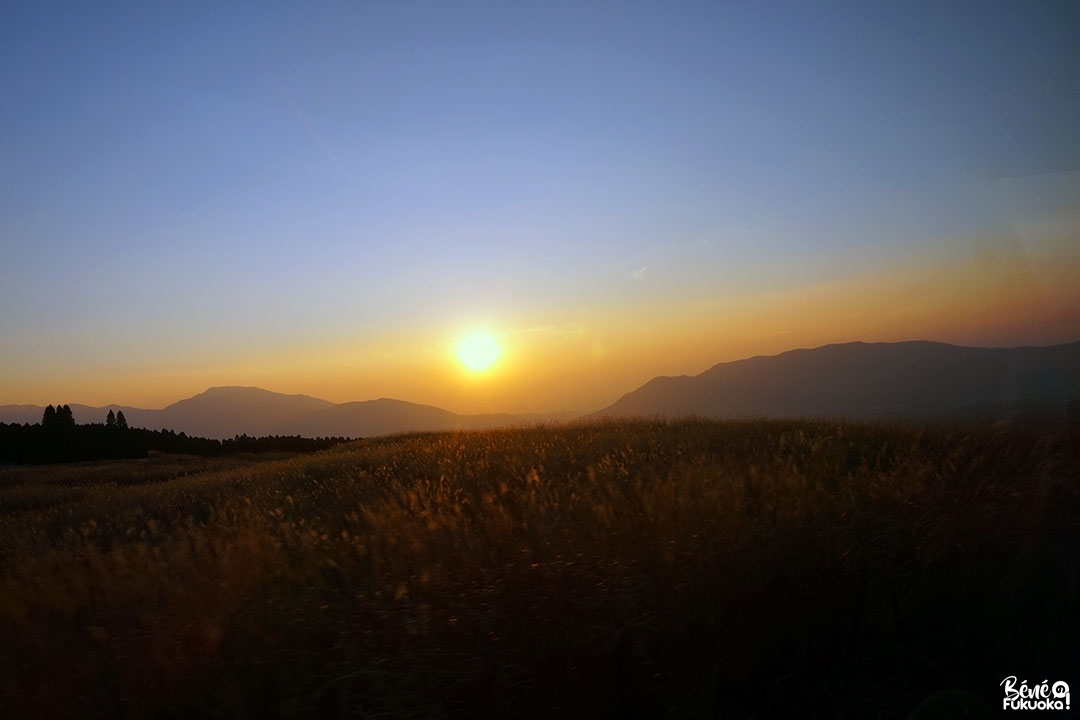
{"x": 478, "y": 351}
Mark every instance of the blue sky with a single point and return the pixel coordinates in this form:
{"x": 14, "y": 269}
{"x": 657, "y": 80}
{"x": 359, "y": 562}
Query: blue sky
{"x": 234, "y": 178}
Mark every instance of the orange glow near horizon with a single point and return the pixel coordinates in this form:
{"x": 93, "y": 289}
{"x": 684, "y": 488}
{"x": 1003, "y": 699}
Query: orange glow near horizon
{"x": 583, "y": 360}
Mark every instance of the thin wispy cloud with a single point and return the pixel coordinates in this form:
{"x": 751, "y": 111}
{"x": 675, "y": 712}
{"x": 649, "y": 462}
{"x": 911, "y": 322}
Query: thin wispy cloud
{"x": 311, "y": 130}
{"x": 565, "y": 330}
{"x": 906, "y": 309}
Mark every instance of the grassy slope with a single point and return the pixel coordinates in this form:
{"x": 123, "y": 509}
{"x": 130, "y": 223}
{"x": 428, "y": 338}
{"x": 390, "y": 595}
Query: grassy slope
{"x": 682, "y": 568}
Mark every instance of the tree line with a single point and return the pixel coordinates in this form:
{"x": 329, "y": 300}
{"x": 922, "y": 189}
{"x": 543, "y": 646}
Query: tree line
{"x": 57, "y": 438}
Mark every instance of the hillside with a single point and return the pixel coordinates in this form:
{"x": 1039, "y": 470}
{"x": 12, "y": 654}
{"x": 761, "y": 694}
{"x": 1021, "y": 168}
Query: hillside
{"x": 691, "y": 569}
{"x": 227, "y": 411}
{"x": 907, "y": 379}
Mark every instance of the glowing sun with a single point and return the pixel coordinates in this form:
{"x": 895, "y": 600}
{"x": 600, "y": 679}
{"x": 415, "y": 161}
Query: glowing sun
{"x": 478, "y": 351}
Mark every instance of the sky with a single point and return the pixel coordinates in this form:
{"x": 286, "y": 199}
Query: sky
{"x": 325, "y": 198}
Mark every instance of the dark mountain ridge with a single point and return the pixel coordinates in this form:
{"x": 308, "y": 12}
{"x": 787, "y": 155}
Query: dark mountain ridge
{"x": 905, "y": 379}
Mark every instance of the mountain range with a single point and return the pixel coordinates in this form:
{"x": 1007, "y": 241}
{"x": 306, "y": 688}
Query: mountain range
{"x": 862, "y": 380}
{"x": 223, "y": 412}
{"x": 859, "y": 380}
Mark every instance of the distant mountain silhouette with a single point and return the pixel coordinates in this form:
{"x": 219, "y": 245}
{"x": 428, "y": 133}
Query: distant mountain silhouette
{"x": 228, "y": 411}
{"x": 384, "y": 416}
{"x": 225, "y": 412}
{"x": 23, "y": 414}
{"x": 860, "y": 380}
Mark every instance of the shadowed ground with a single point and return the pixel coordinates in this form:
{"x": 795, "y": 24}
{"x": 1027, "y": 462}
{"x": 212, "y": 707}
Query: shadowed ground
{"x": 636, "y": 568}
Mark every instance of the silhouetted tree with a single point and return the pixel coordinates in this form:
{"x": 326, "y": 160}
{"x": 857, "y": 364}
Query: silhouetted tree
{"x": 57, "y": 443}
{"x": 110, "y": 420}
{"x": 64, "y": 416}
{"x": 121, "y": 421}
{"x": 49, "y": 418}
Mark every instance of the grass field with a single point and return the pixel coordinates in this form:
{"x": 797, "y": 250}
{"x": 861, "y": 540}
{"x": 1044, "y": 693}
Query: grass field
{"x": 654, "y": 569}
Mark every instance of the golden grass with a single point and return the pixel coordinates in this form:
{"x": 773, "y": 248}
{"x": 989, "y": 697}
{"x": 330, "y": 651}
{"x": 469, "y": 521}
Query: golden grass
{"x": 663, "y": 568}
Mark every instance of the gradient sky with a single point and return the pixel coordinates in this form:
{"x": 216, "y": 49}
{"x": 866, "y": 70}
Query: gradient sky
{"x": 322, "y": 198}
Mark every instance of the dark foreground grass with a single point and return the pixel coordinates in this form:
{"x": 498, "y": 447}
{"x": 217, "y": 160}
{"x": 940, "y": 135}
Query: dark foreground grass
{"x": 652, "y": 569}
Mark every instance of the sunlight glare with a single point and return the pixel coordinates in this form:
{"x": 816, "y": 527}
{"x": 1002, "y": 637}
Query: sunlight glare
{"x": 478, "y": 351}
